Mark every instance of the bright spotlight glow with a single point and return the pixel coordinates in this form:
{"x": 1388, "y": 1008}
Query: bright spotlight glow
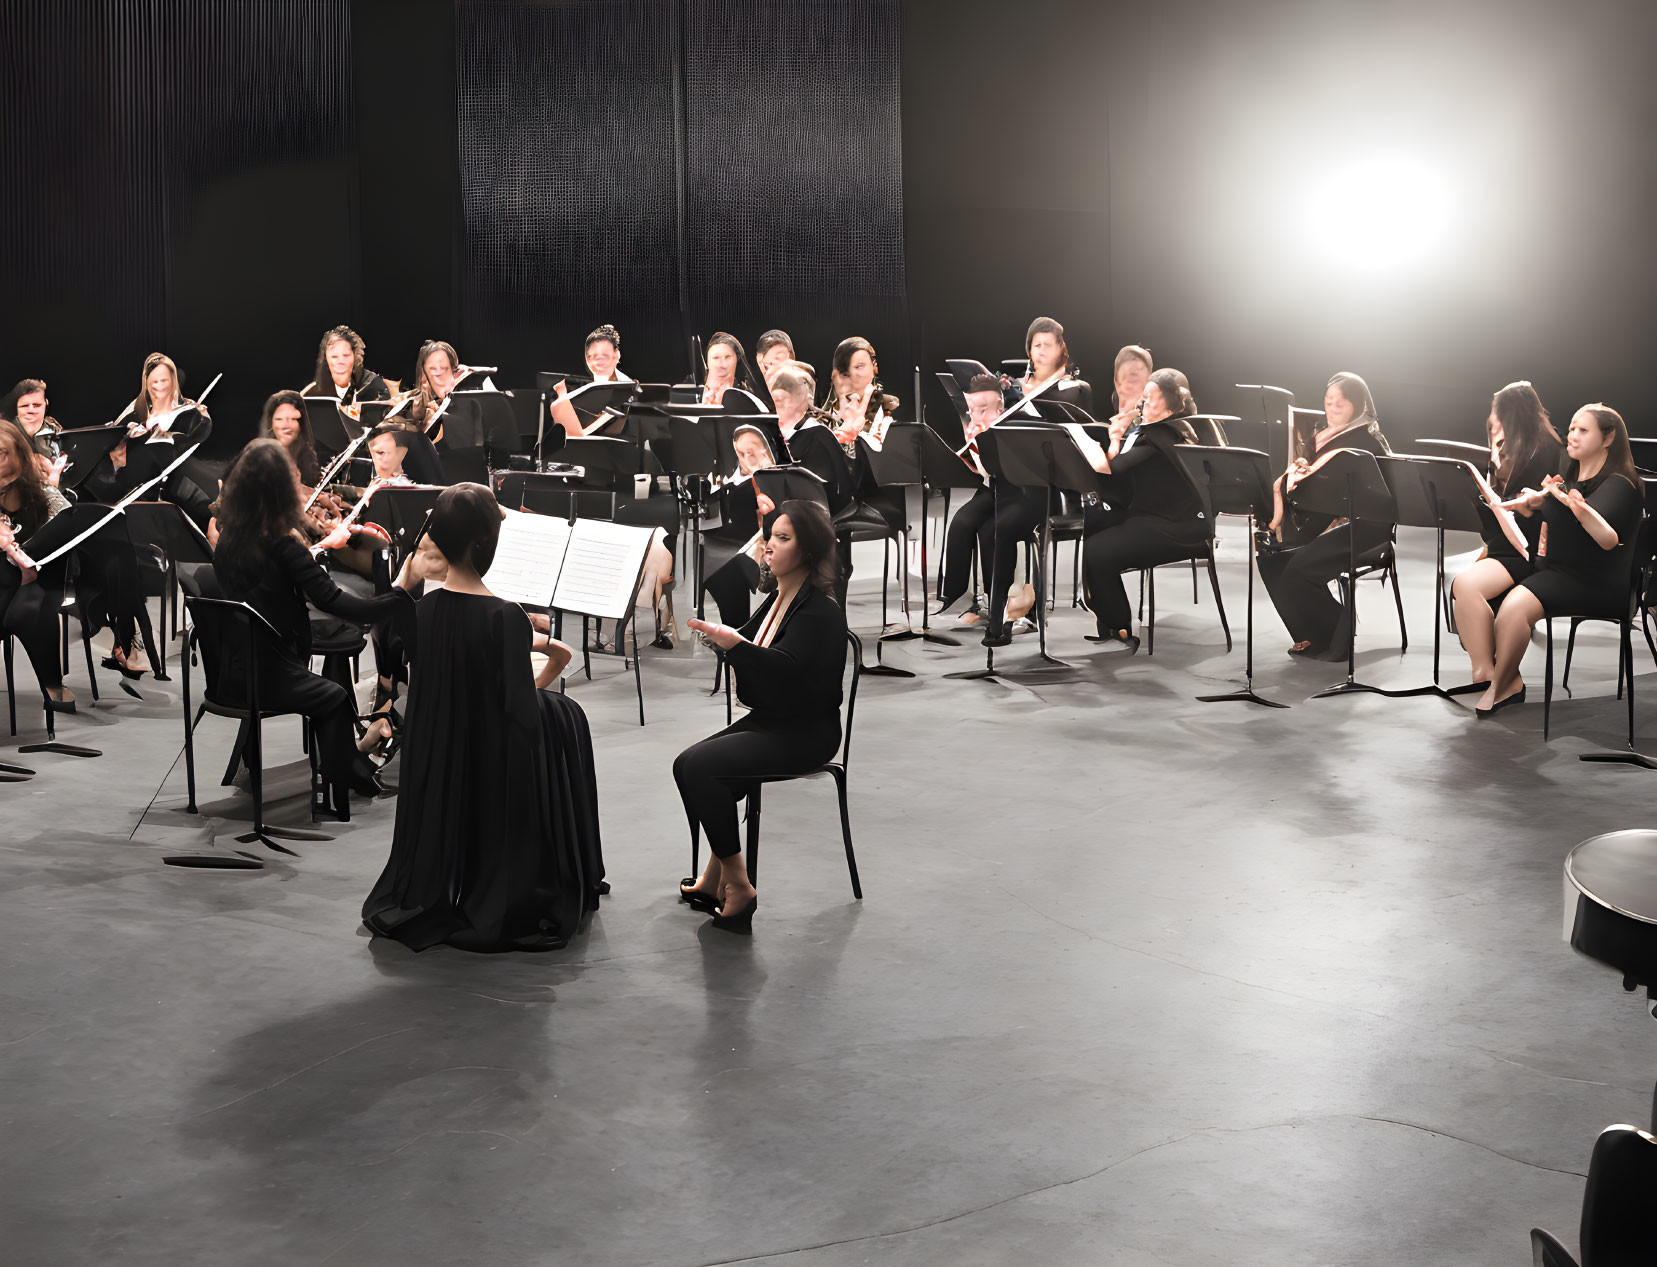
{"x": 1380, "y": 213}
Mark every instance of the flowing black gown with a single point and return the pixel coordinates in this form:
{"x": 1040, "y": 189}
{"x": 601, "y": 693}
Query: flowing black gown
{"x": 496, "y": 845}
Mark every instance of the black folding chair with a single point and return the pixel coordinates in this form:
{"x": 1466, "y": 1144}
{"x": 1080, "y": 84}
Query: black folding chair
{"x": 751, "y": 785}
{"x": 1617, "y": 1227}
{"x": 230, "y": 637}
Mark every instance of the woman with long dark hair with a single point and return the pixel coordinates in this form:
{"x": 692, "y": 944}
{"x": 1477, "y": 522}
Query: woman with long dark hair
{"x": 496, "y": 846}
{"x": 30, "y": 598}
{"x": 340, "y": 371}
{"x": 1590, "y": 516}
{"x": 1524, "y": 451}
{"x": 283, "y": 420}
{"x": 788, "y": 661}
{"x": 260, "y": 561}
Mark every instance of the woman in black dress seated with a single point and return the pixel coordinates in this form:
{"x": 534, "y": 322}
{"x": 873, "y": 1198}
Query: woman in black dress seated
{"x": 30, "y": 597}
{"x": 1317, "y": 548}
{"x": 1590, "y": 517}
{"x": 1524, "y": 451}
{"x": 260, "y": 561}
{"x": 1150, "y": 513}
{"x": 340, "y": 371}
{"x": 788, "y": 661}
{"x": 284, "y": 421}
{"x": 497, "y": 844}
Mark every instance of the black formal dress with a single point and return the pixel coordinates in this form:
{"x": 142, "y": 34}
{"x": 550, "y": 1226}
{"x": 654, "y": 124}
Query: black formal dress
{"x": 1151, "y": 514}
{"x": 793, "y": 692}
{"x": 1019, "y": 511}
{"x": 1574, "y": 575}
{"x": 1543, "y": 463}
{"x": 1297, "y": 577}
{"x": 496, "y": 845}
{"x": 29, "y": 612}
{"x": 277, "y": 578}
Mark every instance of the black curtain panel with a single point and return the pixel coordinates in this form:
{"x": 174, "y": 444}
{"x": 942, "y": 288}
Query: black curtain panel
{"x": 176, "y": 171}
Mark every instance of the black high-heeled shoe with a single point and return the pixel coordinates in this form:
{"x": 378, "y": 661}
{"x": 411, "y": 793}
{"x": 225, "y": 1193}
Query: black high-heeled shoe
{"x": 695, "y": 898}
{"x": 59, "y": 705}
{"x": 742, "y": 922}
{"x": 131, "y": 675}
{"x": 364, "y": 781}
{"x": 1128, "y": 640}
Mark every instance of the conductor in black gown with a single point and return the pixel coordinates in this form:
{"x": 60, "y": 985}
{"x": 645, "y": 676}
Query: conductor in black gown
{"x": 496, "y": 846}
{"x": 788, "y": 661}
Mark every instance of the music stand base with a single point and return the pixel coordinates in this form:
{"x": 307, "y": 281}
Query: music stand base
{"x": 62, "y": 749}
{"x": 974, "y": 675}
{"x": 885, "y": 670}
{"x": 1621, "y": 758}
{"x": 7, "y": 767}
{"x": 1244, "y": 696}
{"x": 1467, "y": 688}
{"x": 1350, "y": 688}
{"x": 1410, "y": 692}
{"x": 926, "y": 635}
{"x": 265, "y": 840}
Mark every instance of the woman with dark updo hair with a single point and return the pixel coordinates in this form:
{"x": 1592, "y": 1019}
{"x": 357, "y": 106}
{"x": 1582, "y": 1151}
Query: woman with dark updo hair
{"x": 496, "y": 846}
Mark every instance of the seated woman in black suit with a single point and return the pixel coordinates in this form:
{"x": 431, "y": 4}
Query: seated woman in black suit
{"x": 1524, "y": 451}
{"x": 1150, "y": 513}
{"x": 1318, "y": 549}
{"x": 788, "y": 661}
{"x": 1018, "y": 511}
{"x": 1590, "y": 517}
{"x": 496, "y": 846}
{"x": 260, "y": 561}
{"x": 30, "y": 597}
{"x": 974, "y": 524}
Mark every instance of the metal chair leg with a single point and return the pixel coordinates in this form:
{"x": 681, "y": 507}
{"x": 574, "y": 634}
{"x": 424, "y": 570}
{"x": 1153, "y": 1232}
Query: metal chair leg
{"x": 753, "y": 834}
{"x": 1570, "y": 650}
{"x": 1547, "y": 680}
{"x": 1149, "y": 578}
{"x": 839, "y": 774}
{"x": 1219, "y": 603}
{"x": 1398, "y": 600}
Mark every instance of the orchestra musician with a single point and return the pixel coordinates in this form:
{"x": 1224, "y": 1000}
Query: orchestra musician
{"x": 1131, "y": 372}
{"x": 733, "y": 582}
{"x": 262, "y": 559}
{"x": 340, "y": 370}
{"x": 725, "y": 371}
{"x": 30, "y": 597}
{"x": 602, "y": 352}
{"x": 858, "y": 400}
{"x": 1149, "y": 511}
{"x": 1018, "y": 511}
{"x": 1590, "y": 516}
{"x": 773, "y": 350}
{"x": 788, "y": 660}
{"x": 1318, "y": 549}
{"x": 26, "y": 405}
{"x": 496, "y": 845}
{"x": 283, "y": 420}
{"x": 975, "y": 521}
{"x": 1524, "y": 451}
{"x": 437, "y": 373}
{"x": 813, "y": 445}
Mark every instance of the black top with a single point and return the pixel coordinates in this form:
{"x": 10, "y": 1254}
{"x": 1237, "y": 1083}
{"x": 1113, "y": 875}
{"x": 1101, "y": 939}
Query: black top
{"x": 1148, "y": 480}
{"x": 1368, "y": 439}
{"x": 738, "y": 512}
{"x": 372, "y": 387}
{"x": 277, "y": 579}
{"x": 1543, "y": 463}
{"x": 814, "y": 447}
{"x": 485, "y": 855}
{"x": 798, "y": 675}
{"x": 1568, "y": 547}
{"x": 1072, "y": 391}
{"x": 187, "y": 428}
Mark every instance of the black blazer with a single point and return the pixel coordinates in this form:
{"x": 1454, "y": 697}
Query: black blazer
{"x": 1148, "y": 480}
{"x": 798, "y": 675}
{"x": 278, "y": 579}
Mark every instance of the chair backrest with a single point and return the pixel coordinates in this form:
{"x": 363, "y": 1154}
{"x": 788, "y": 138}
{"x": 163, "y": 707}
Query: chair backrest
{"x": 1210, "y": 428}
{"x": 198, "y": 580}
{"x": 230, "y": 636}
{"x": 854, "y": 656}
{"x": 1617, "y": 1226}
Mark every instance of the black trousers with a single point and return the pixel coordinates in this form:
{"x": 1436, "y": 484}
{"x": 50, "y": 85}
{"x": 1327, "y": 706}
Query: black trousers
{"x": 1018, "y": 513}
{"x": 1298, "y": 581}
{"x": 731, "y": 586}
{"x": 974, "y": 524}
{"x": 292, "y": 688}
{"x": 30, "y": 614}
{"x": 753, "y": 745}
{"x": 1116, "y": 543}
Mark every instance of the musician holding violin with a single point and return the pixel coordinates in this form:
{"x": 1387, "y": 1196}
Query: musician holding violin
{"x": 437, "y": 373}
{"x": 340, "y": 371}
{"x": 30, "y": 597}
{"x": 27, "y": 406}
{"x": 283, "y": 420}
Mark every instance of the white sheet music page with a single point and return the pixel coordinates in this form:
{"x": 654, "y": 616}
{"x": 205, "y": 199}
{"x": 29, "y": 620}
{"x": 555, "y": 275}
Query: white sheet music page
{"x": 1504, "y": 517}
{"x": 528, "y": 558}
{"x": 601, "y": 568}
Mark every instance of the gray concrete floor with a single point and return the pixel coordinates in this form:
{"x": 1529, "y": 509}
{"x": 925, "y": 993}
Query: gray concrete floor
{"x": 1137, "y": 980}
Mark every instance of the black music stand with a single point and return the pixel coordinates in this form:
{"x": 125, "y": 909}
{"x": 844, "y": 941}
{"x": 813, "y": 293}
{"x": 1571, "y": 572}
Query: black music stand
{"x": 936, "y": 466}
{"x": 402, "y": 513}
{"x": 963, "y": 369}
{"x": 1238, "y": 482}
{"x": 896, "y": 464}
{"x": 1038, "y": 457}
{"x": 1267, "y": 408}
{"x": 163, "y": 526}
{"x": 85, "y": 447}
{"x": 1442, "y": 494}
{"x": 482, "y": 420}
{"x": 371, "y": 413}
{"x": 1476, "y": 454}
{"x": 1349, "y": 486}
{"x": 328, "y": 424}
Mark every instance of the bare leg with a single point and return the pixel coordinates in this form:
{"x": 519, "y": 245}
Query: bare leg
{"x": 1520, "y": 612}
{"x": 1471, "y": 592}
{"x": 736, "y": 890}
{"x": 1021, "y": 603}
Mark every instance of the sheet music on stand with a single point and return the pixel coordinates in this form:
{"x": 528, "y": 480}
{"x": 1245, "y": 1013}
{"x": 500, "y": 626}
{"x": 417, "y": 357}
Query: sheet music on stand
{"x": 591, "y": 568}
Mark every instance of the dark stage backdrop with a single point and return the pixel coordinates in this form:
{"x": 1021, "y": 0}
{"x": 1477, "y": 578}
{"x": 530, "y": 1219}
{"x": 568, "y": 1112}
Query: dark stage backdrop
{"x": 179, "y": 177}
{"x": 224, "y": 181}
{"x": 677, "y": 168}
